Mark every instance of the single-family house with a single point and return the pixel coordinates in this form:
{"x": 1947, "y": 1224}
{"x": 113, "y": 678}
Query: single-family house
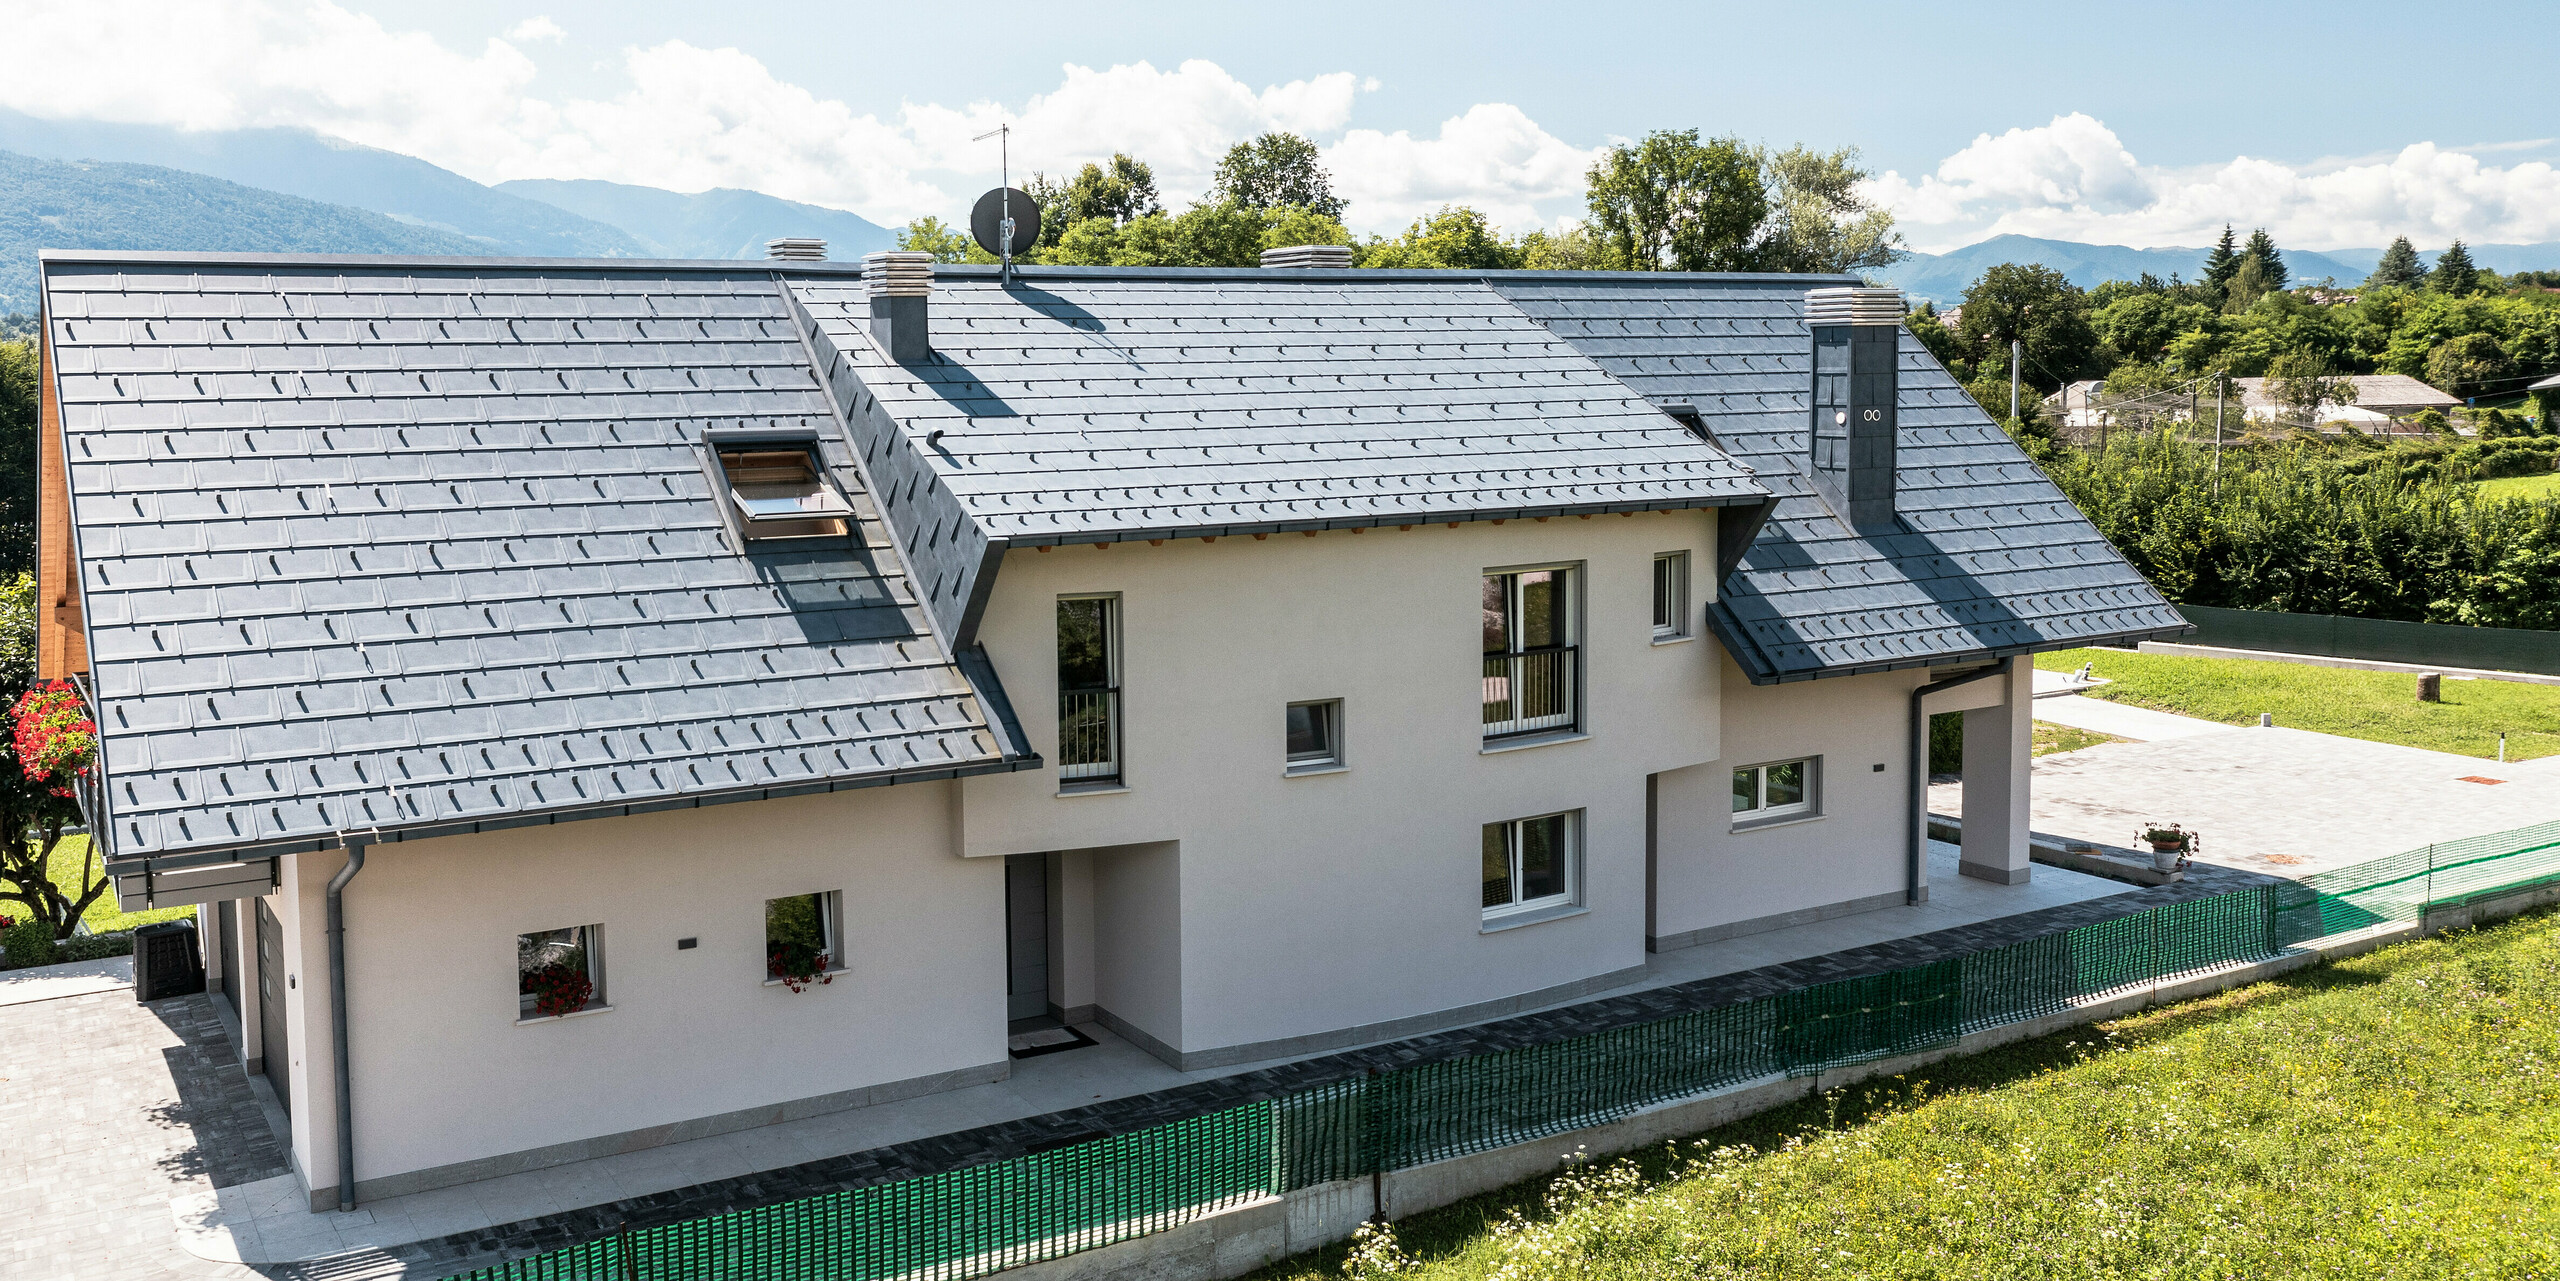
{"x": 2382, "y": 403}
{"x": 604, "y": 703}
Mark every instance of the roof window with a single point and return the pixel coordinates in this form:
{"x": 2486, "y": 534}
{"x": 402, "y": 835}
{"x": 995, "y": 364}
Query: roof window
{"x": 780, "y": 491}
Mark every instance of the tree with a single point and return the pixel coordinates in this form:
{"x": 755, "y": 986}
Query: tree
{"x": 1816, "y": 220}
{"x": 2223, "y": 263}
{"x": 1673, "y": 203}
{"x": 2304, "y": 382}
{"x": 2033, "y": 304}
{"x": 18, "y": 378}
{"x": 1276, "y": 171}
{"x": 2399, "y": 268}
{"x": 1571, "y": 249}
{"x": 1299, "y": 225}
{"x": 1457, "y": 236}
{"x": 2468, "y": 364}
{"x": 1122, "y": 192}
{"x": 1942, "y": 342}
{"x": 29, "y": 808}
{"x": 2455, "y": 275}
{"x": 2249, "y": 284}
{"x": 2139, "y": 396}
{"x": 2262, "y": 250}
{"x": 946, "y": 243}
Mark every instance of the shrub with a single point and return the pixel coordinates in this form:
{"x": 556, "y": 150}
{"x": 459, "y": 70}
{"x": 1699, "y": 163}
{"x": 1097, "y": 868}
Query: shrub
{"x": 96, "y": 947}
{"x": 29, "y": 943}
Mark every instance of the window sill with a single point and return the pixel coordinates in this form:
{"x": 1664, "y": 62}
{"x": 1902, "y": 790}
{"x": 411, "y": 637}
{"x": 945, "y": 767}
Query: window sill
{"x": 1776, "y": 820}
{"x": 554, "y": 1018}
{"x": 1312, "y": 769}
{"x": 1526, "y": 741}
{"x": 1093, "y": 789}
{"x": 1531, "y": 916}
{"x": 828, "y": 974}
{"x": 1675, "y": 640}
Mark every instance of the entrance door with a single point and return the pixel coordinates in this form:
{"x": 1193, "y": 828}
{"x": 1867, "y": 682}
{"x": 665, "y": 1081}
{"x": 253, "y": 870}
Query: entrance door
{"x": 271, "y": 1023}
{"x": 1026, "y": 935}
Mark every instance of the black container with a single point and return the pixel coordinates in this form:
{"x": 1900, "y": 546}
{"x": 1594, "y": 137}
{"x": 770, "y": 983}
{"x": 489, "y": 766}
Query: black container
{"x": 166, "y": 961}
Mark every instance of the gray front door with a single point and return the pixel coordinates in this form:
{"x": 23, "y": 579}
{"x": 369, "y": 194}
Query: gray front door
{"x": 1026, "y": 935}
{"x": 271, "y": 988}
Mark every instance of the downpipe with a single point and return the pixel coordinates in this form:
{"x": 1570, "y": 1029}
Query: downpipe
{"x": 338, "y": 1019}
{"x": 1919, "y": 834}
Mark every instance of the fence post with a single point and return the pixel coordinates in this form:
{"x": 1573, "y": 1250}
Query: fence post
{"x": 1369, "y": 1145}
{"x": 630, "y": 1262}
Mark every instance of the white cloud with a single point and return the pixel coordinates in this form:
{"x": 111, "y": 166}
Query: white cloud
{"x": 1494, "y": 157}
{"x": 538, "y": 27}
{"x": 2073, "y": 179}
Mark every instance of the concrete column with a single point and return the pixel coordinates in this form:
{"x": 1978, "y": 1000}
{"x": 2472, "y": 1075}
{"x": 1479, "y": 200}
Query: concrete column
{"x": 1999, "y": 744}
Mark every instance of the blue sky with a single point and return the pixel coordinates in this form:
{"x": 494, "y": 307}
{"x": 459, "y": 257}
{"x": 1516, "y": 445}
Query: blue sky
{"x": 2335, "y": 124}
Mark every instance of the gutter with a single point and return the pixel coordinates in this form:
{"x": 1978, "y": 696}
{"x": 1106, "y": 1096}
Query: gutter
{"x": 338, "y": 1019}
{"x": 1918, "y": 833}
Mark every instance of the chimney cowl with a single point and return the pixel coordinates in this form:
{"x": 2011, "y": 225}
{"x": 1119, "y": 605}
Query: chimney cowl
{"x": 1291, "y": 257}
{"x": 900, "y": 283}
{"x": 1853, "y": 305}
{"x": 796, "y": 249}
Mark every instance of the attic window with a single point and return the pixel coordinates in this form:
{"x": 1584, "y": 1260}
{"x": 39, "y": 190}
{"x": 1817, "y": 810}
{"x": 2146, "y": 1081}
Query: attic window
{"x": 780, "y": 491}
{"x": 1687, "y": 415}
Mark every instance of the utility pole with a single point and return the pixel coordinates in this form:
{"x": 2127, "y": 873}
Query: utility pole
{"x": 2219, "y": 382}
{"x": 2015, "y": 347}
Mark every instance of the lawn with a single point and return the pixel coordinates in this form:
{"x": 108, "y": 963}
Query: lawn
{"x": 2380, "y": 706}
{"x": 2546, "y": 485}
{"x": 65, "y": 866}
{"x": 2051, "y": 738}
{"x": 2389, "y": 1116}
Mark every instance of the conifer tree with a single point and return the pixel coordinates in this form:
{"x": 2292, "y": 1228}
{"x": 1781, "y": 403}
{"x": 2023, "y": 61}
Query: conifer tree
{"x": 2223, "y": 263}
{"x": 2399, "y": 267}
{"x": 2455, "y": 274}
{"x": 2263, "y": 248}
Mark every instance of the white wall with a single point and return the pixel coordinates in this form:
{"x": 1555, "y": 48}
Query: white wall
{"x": 1709, "y": 877}
{"x": 1311, "y": 904}
{"x": 1137, "y": 936}
{"x": 444, "y": 1074}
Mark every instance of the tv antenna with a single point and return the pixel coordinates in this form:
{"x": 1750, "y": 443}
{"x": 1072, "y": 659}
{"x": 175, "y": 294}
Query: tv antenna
{"x": 992, "y": 222}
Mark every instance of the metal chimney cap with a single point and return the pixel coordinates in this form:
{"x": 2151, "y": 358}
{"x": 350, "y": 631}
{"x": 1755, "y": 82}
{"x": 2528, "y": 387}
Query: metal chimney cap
{"x": 1295, "y": 256}
{"x": 1853, "y": 305}
{"x": 898, "y": 273}
{"x": 796, "y": 249}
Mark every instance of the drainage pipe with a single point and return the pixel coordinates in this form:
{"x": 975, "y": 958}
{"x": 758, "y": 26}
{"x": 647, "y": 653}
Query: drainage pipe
{"x": 1919, "y": 835}
{"x": 338, "y": 1019}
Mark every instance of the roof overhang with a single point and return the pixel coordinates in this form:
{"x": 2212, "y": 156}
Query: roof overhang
{"x": 1747, "y": 655}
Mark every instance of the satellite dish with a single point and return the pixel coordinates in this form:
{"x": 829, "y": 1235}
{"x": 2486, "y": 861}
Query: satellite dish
{"x": 986, "y": 222}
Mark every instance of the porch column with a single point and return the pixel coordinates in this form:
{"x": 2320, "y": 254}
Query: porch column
{"x": 1999, "y": 743}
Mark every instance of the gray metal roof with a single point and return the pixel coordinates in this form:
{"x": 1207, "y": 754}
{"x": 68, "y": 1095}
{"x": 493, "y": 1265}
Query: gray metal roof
{"x": 1989, "y": 557}
{"x": 1097, "y": 407}
{"x": 429, "y": 547}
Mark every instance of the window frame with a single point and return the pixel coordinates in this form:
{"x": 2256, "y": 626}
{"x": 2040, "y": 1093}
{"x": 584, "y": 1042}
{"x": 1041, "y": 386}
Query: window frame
{"x": 830, "y": 913}
{"x": 1568, "y": 620}
{"x": 1333, "y": 757}
{"x": 1676, "y": 627}
{"x": 1764, "y": 814}
{"x": 590, "y": 944}
{"x": 1111, "y": 773}
{"x": 1519, "y": 911}
{"x": 834, "y": 519}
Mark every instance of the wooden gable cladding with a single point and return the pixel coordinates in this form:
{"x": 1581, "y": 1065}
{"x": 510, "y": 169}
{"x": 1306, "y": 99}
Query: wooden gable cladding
{"x": 62, "y": 647}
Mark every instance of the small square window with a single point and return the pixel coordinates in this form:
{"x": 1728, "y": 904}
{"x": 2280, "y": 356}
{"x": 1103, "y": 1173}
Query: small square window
{"x": 1531, "y": 864}
{"x": 559, "y": 972}
{"x": 1778, "y": 789}
{"x": 781, "y": 491}
{"x": 1670, "y": 595}
{"x": 802, "y": 939}
{"x": 1315, "y": 734}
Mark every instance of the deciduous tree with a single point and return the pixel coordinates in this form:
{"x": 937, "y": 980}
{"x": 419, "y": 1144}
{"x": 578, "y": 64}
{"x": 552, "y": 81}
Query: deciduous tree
{"x": 1816, "y": 220}
{"x": 1276, "y": 171}
{"x": 2305, "y": 382}
{"x": 1673, "y": 203}
{"x": 1457, "y": 236}
{"x": 2033, "y": 304}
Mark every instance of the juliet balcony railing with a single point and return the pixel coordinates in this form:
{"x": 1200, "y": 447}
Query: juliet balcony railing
{"x": 1531, "y": 691}
{"x": 1089, "y": 735}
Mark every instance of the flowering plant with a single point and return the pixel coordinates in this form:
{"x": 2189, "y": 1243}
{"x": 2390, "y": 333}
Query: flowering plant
{"x": 2169, "y": 836}
{"x": 798, "y": 965}
{"x": 561, "y": 987}
{"x": 56, "y": 741}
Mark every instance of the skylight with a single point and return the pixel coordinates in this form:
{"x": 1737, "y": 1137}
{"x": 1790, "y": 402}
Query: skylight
{"x": 781, "y": 492}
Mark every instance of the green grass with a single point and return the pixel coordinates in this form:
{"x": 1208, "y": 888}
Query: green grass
{"x": 2391, "y": 1116}
{"x": 2051, "y": 738}
{"x": 65, "y": 867}
{"x": 2380, "y": 706}
{"x": 2546, "y": 485}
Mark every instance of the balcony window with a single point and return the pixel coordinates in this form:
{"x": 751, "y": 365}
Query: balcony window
{"x": 1088, "y": 690}
{"x": 801, "y": 944}
{"x": 1531, "y": 684}
{"x": 1531, "y": 864}
{"x": 1776, "y": 790}
{"x": 1670, "y": 595}
{"x": 1315, "y": 735}
{"x": 559, "y": 972}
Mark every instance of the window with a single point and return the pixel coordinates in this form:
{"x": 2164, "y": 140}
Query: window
{"x": 1530, "y": 864}
{"x": 1779, "y": 789}
{"x": 801, "y": 935}
{"x": 1088, "y": 690}
{"x": 559, "y": 972}
{"x": 781, "y": 491}
{"x": 1670, "y": 595}
{"x": 1315, "y": 735}
{"x": 1529, "y": 677}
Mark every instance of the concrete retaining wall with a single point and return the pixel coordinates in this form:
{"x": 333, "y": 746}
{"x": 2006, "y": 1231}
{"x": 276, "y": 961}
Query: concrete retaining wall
{"x": 1248, "y": 1237}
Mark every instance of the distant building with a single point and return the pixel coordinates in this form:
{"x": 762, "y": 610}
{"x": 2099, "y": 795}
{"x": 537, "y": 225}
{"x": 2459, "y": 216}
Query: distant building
{"x": 2386, "y": 401}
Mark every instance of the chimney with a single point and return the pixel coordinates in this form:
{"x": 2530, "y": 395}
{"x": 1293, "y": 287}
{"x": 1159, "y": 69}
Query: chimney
{"x": 1857, "y": 351}
{"x": 900, "y": 281}
{"x": 1298, "y": 256}
{"x": 796, "y": 249}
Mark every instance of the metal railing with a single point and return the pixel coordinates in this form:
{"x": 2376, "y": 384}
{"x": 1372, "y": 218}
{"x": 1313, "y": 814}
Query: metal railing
{"x": 1530, "y": 691}
{"x": 1089, "y": 735}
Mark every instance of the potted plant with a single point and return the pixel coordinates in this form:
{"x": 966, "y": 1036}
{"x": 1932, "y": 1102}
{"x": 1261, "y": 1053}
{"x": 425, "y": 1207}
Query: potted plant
{"x": 797, "y": 965}
{"x": 2171, "y": 845}
{"x": 560, "y": 987}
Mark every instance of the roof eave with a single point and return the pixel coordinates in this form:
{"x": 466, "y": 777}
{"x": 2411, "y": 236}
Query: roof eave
{"x": 1757, "y": 670}
{"x": 1380, "y": 521}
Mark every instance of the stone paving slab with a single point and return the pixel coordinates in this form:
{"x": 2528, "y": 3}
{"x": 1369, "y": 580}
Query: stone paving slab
{"x": 71, "y": 978}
